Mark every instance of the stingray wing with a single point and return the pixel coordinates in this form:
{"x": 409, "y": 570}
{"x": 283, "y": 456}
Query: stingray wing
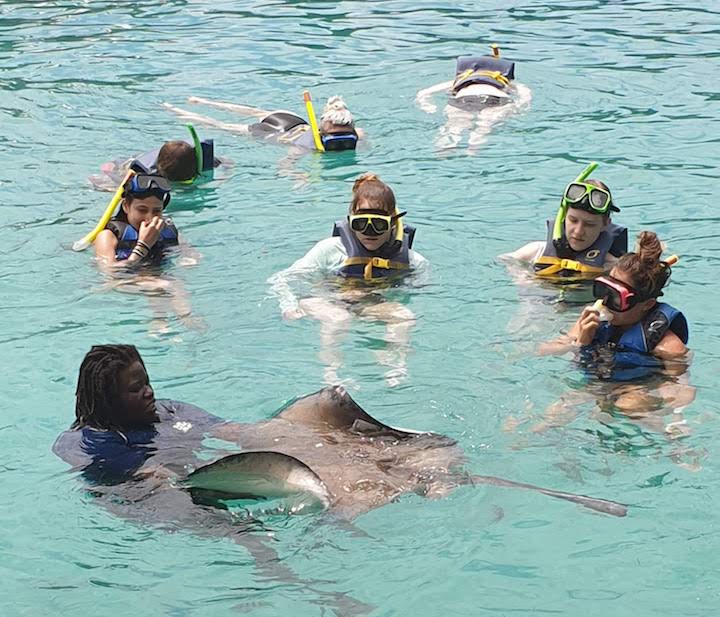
{"x": 262, "y": 475}
{"x": 334, "y": 408}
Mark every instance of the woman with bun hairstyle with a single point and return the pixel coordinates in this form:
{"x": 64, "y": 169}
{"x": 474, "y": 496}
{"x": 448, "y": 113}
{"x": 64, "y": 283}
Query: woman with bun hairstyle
{"x": 633, "y": 341}
{"x": 368, "y": 256}
{"x": 627, "y": 315}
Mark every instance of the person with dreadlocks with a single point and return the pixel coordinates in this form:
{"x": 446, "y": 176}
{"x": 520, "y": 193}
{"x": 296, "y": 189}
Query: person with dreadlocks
{"x": 119, "y": 424}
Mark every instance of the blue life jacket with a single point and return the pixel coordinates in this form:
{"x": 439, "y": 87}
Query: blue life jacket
{"x": 391, "y": 260}
{"x": 147, "y": 163}
{"x": 111, "y": 456}
{"x": 487, "y": 70}
{"x": 626, "y": 355}
{"x": 127, "y": 237}
{"x": 585, "y": 264}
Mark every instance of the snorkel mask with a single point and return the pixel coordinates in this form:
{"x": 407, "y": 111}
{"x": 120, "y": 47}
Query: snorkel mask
{"x": 145, "y": 185}
{"x": 580, "y": 194}
{"x": 376, "y": 223}
{"x": 339, "y": 141}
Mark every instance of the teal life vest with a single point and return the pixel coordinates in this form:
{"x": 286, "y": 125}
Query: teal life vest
{"x": 585, "y": 264}
{"x": 391, "y": 260}
{"x": 488, "y": 70}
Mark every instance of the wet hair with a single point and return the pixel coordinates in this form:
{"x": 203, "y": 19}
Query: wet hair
{"x": 648, "y": 273}
{"x": 583, "y": 203}
{"x": 369, "y": 187}
{"x": 336, "y": 112}
{"x": 177, "y": 161}
{"x": 98, "y": 387}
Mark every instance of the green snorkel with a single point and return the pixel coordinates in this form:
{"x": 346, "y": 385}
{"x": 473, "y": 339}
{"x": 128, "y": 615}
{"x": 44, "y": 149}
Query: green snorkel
{"x": 562, "y": 210}
{"x": 198, "y": 154}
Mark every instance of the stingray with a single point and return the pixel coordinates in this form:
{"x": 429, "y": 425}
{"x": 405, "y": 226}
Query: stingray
{"x": 324, "y": 452}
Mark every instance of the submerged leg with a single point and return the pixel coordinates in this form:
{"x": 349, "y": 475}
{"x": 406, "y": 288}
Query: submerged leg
{"x": 245, "y": 110}
{"x": 600, "y": 505}
{"x": 206, "y": 121}
{"x": 400, "y": 321}
{"x": 334, "y": 325}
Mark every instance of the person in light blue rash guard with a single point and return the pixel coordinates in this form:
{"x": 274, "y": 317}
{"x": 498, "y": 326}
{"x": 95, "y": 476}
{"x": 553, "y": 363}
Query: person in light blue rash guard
{"x": 120, "y": 426}
{"x": 368, "y": 257}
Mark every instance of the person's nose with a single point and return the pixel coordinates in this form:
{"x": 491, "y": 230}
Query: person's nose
{"x": 149, "y": 392}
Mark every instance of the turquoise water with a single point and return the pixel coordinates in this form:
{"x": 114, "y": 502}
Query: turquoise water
{"x": 632, "y": 85}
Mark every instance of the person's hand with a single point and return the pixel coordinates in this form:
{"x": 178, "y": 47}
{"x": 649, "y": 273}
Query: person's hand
{"x": 293, "y": 314}
{"x": 588, "y": 325}
{"x": 150, "y": 232}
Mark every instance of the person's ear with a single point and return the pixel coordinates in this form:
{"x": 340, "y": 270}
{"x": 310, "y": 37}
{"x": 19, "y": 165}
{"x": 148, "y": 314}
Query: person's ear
{"x": 648, "y": 304}
{"x": 126, "y": 205}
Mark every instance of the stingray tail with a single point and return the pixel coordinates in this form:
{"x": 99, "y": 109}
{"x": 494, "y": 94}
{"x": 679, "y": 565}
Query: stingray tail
{"x": 600, "y": 505}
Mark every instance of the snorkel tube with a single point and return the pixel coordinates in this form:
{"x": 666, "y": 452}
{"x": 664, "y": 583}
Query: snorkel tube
{"x": 198, "y": 154}
{"x": 313, "y": 122}
{"x": 562, "y": 210}
{"x": 81, "y": 245}
{"x": 399, "y": 228}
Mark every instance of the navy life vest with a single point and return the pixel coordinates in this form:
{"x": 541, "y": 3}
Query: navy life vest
{"x": 147, "y": 163}
{"x": 391, "y": 260}
{"x": 488, "y": 70}
{"x": 127, "y": 237}
{"x": 585, "y": 264}
{"x": 626, "y": 355}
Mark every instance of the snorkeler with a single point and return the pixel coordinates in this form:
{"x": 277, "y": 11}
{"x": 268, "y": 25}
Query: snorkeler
{"x": 582, "y": 242}
{"x": 630, "y": 320}
{"x": 628, "y": 336}
{"x": 139, "y": 232}
{"x": 482, "y": 94}
{"x": 336, "y": 130}
{"x": 370, "y": 247}
{"x": 140, "y": 236}
{"x": 177, "y": 161}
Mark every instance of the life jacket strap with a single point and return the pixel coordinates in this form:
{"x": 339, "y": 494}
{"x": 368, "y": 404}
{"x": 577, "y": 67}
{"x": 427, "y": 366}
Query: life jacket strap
{"x": 555, "y": 265}
{"x": 375, "y": 262}
{"x": 496, "y": 75}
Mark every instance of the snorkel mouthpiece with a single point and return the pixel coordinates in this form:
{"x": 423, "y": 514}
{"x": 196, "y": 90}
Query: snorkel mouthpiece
{"x": 562, "y": 210}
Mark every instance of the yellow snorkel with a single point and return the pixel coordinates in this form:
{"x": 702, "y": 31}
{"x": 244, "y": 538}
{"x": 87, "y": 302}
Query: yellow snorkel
{"x": 313, "y": 122}
{"x": 495, "y": 50}
{"x": 81, "y": 245}
{"x": 399, "y": 227}
{"x": 562, "y": 210}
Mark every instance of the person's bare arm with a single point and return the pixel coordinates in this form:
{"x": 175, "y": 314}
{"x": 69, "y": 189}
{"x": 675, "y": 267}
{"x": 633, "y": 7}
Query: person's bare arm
{"x": 526, "y": 253}
{"x": 423, "y": 96}
{"x": 670, "y": 347}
